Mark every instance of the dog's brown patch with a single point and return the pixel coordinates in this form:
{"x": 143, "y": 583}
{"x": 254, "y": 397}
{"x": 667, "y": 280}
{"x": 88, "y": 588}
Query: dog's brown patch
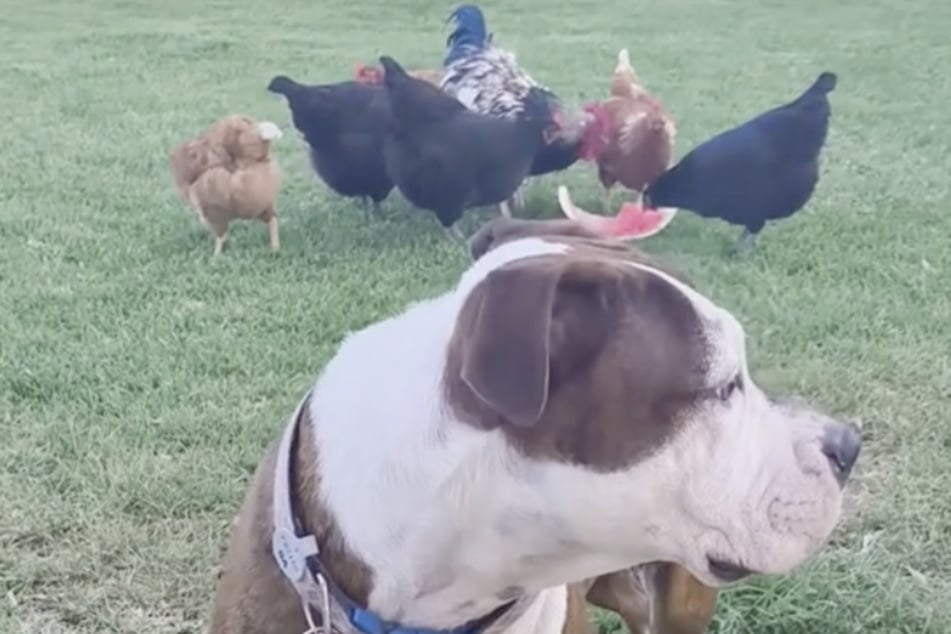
{"x": 621, "y": 593}
{"x": 680, "y": 604}
{"x": 577, "y": 615}
{"x": 683, "y": 605}
{"x": 578, "y": 357}
{"x": 253, "y": 595}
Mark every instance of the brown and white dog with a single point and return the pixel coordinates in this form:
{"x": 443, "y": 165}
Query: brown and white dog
{"x": 568, "y": 410}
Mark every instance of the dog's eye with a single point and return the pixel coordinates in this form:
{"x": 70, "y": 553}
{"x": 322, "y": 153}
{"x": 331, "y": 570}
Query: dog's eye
{"x": 725, "y": 392}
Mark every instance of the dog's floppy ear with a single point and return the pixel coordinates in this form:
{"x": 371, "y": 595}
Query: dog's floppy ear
{"x": 528, "y": 320}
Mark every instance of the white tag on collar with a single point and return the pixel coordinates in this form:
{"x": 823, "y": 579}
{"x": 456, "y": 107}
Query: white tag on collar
{"x": 291, "y": 552}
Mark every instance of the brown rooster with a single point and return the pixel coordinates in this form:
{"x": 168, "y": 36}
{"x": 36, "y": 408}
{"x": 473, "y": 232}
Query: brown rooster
{"x": 640, "y": 146}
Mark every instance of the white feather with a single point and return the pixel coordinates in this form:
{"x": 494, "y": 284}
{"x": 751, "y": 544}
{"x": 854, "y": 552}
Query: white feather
{"x": 489, "y": 81}
{"x": 269, "y": 130}
{"x": 623, "y": 61}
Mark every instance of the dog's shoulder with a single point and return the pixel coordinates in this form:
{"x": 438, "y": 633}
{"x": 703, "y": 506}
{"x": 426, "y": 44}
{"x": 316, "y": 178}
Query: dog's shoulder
{"x": 252, "y": 593}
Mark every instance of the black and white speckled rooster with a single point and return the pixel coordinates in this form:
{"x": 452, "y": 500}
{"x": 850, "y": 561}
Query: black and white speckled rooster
{"x": 488, "y": 79}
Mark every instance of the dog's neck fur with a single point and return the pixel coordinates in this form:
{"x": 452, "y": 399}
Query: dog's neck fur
{"x": 442, "y": 514}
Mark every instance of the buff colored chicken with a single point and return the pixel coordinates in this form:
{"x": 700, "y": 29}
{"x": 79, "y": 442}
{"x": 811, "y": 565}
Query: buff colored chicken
{"x": 228, "y": 173}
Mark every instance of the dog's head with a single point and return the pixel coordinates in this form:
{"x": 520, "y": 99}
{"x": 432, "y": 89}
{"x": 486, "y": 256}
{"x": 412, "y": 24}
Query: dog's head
{"x": 626, "y": 392}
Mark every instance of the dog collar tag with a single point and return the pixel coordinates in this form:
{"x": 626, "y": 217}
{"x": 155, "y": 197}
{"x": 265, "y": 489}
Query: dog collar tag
{"x": 291, "y": 552}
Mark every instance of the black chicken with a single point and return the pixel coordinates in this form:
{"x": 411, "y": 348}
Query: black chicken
{"x": 764, "y": 169}
{"x": 446, "y": 158}
{"x": 344, "y": 124}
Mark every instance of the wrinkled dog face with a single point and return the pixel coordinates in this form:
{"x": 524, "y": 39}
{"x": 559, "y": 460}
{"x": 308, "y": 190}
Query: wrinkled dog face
{"x": 760, "y": 486}
{"x": 638, "y": 386}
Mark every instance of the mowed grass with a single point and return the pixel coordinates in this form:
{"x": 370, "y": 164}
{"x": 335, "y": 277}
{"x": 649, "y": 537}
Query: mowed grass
{"x": 140, "y": 380}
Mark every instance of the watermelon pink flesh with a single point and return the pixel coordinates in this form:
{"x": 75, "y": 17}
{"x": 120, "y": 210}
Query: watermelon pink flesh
{"x": 634, "y": 220}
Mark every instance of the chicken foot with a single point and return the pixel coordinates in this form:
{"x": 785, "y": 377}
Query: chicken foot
{"x": 274, "y": 233}
{"x": 515, "y": 201}
{"x": 454, "y": 233}
{"x": 371, "y": 208}
{"x": 219, "y": 243}
{"x": 606, "y": 200}
{"x": 518, "y": 198}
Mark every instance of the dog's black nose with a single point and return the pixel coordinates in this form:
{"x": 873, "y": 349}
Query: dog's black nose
{"x": 841, "y": 443}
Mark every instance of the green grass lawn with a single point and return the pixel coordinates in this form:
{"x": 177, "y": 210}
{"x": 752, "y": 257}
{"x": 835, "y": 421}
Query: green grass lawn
{"x": 140, "y": 380}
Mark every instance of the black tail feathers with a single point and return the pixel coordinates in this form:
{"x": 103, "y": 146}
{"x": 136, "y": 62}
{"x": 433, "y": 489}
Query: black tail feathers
{"x": 283, "y": 86}
{"x": 823, "y": 85}
{"x": 540, "y": 106}
{"x": 391, "y": 69}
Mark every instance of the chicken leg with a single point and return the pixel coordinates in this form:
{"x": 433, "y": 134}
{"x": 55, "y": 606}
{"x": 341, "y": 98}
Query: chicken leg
{"x": 371, "y": 208}
{"x": 518, "y": 198}
{"x": 455, "y": 234}
{"x": 219, "y": 243}
{"x": 274, "y": 234}
{"x": 273, "y": 229}
{"x": 607, "y": 200}
{"x": 218, "y": 226}
{"x": 745, "y": 243}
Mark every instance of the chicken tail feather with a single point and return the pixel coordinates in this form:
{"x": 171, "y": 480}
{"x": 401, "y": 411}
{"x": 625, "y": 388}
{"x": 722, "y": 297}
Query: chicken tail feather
{"x": 623, "y": 61}
{"x": 282, "y": 85}
{"x": 823, "y": 85}
{"x": 392, "y": 71}
{"x": 470, "y": 33}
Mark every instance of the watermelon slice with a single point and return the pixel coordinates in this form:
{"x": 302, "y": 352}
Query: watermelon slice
{"x": 632, "y": 222}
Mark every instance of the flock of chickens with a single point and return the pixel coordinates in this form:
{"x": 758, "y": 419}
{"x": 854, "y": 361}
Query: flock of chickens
{"x": 470, "y": 133}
